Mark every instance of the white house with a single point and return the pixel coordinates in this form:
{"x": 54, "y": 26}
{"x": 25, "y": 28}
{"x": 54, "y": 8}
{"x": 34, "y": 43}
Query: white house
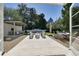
{"x": 12, "y": 27}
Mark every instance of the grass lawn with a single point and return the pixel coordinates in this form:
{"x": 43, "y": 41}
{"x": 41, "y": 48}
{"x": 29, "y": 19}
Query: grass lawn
{"x": 62, "y": 41}
{"x": 49, "y": 34}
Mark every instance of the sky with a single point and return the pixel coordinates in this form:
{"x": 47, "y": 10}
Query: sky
{"x": 76, "y": 4}
{"x": 50, "y": 10}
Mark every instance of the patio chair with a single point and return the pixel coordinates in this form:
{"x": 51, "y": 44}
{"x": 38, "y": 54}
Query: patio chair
{"x": 37, "y": 35}
{"x": 31, "y": 36}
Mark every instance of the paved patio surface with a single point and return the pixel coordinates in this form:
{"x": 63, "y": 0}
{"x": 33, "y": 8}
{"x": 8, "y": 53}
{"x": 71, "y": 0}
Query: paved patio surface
{"x": 75, "y": 46}
{"x": 39, "y": 47}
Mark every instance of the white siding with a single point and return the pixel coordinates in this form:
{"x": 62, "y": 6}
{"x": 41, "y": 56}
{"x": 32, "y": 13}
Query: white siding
{"x": 18, "y": 28}
{"x": 7, "y": 28}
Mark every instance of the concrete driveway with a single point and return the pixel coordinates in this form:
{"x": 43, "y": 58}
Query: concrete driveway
{"x": 39, "y": 47}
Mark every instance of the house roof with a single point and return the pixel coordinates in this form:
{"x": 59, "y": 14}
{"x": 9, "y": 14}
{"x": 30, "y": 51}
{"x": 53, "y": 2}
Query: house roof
{"x": 18, "y": 23}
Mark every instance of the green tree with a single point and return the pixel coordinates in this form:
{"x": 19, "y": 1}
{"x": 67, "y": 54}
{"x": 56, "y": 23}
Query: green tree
{"x": 42, "y": 21}
{"x": 58, "y": 24}
{"x": 25, "y": 14}
{"x": 13, "y": 13}
{"x": 75, "y": 19}
{"x": 30, "y": 17}
{"x": 65, "y": 16}
{"x": 22, "y": 8}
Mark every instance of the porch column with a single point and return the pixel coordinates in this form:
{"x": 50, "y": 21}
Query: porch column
{"x": 70, "y": 17}
{"x": 14, "y": 27}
